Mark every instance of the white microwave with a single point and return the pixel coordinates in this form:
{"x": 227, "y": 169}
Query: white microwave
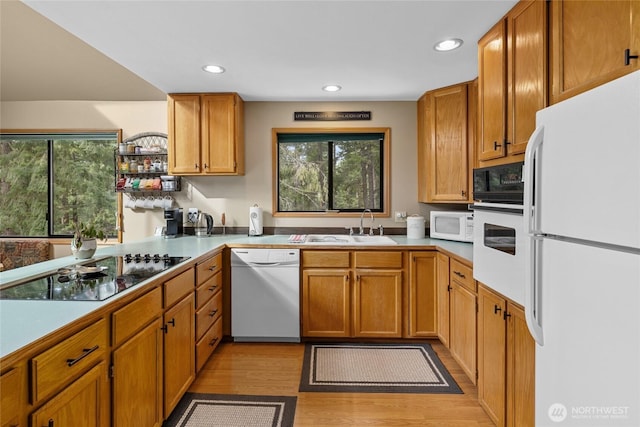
{"x": 451, "y": 225}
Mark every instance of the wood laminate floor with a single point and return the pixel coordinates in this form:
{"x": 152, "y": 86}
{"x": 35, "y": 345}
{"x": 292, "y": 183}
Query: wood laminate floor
{"x": 274, "y": 369}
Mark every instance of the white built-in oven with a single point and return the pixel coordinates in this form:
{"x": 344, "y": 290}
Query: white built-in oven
{"x": 499, "y": 240}
{"x": 499, "y": 249}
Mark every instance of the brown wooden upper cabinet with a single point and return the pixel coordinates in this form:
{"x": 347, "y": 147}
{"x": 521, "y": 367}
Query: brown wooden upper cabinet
{"x": 206, "y": 134}
{"x": 446, "y": 131}
{"x": 512, "y": 82}
{"x": 592, "y": 42}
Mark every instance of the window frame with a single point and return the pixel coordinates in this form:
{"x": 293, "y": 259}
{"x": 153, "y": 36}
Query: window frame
{"x": 47, "y": 133}
{"x": 385, "y": 170}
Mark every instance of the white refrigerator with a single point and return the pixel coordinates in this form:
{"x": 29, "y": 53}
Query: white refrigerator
{"x": 582, "y": 295}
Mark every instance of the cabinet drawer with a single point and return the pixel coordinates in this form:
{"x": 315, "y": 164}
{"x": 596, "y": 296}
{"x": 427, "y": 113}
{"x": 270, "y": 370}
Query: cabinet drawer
{"x": 176, "y": 288}
{"x": 206, "y": 269}
{"x": 208, "y": 314}
{"x": 382, "y": 259}
{"x": 208, "y": 344}
{"x": 462, "y": 274}
{"x": 208, "y": 289}
{"x": 130, "y": 319}
{"x": 65, "y": 361}
{"x": 328, "y": 259}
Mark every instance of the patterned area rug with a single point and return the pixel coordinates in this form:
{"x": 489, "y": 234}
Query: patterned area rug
{"x": 209, "y": 410}
{"x": 375, "y": 368}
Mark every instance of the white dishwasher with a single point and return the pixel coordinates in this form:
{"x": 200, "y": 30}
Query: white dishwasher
{"x": 265, "y": 295}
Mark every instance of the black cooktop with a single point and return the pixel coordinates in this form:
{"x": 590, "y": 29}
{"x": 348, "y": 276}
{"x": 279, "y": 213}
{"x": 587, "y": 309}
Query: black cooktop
{"x": 95, "y": 280}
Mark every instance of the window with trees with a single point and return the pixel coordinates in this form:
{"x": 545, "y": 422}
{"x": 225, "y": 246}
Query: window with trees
{"x": 330, "y": 171}
{"x": 49, "y": 182}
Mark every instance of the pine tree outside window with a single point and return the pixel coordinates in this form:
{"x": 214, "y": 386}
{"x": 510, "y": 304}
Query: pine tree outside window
{"x": 321, "y": 171}
{"x": 50, "y": 181}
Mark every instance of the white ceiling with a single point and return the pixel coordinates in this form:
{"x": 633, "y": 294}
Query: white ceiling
{"x": 272, "y": 50}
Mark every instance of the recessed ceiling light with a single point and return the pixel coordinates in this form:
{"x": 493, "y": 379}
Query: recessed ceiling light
{"x": 331, "y": 88}
{"x": 215, "y": 69}
{"x": 447, "y": 44}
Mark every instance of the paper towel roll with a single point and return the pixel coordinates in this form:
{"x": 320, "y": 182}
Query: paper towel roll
{"x": 415, "y": 227}
{"x": 255, "y": 221}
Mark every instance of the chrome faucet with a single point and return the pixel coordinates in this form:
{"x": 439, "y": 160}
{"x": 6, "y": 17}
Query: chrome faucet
{"x": 362, "y": 218}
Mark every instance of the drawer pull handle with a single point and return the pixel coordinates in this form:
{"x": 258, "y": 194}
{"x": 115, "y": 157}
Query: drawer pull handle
{"x": 496, "y": 308}
{"x": 213, "y": 288}
{"x": 85, "y": 353}
{"x": 213, "y": 341}
{"x": 457, "y": 273}
{"x": 213, "y": 312}
{"x": 213, "y": 267}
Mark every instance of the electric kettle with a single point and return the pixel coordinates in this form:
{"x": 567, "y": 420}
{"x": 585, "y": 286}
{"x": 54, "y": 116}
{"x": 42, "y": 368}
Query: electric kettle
{"x": 204, "y": 225}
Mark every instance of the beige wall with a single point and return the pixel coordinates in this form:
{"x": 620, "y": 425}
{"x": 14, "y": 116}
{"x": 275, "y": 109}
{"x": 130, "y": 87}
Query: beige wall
{"x": 234, "y": 195}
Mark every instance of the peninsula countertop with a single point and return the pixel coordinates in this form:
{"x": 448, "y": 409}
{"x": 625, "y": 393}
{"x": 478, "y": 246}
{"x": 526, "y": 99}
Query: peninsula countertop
{"x": 25, "y": 321}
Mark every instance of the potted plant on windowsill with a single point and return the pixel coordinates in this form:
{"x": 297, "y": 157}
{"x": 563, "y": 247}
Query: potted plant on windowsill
{"x": 84, "y": 241}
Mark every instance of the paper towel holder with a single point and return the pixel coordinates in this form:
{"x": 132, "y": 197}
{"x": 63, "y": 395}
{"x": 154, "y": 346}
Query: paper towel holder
{"x": 255, "y": 220}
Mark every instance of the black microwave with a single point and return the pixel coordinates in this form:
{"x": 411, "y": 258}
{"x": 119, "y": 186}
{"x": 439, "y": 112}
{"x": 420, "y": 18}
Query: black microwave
{"x": 499, "y": 184}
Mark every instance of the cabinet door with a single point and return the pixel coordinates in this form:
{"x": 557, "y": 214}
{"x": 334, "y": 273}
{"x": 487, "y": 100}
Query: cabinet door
{"x": 137, "y": 377}
{"x": 527, "y": 71}
{"x": 492, "y": 95}
{"x": 521, "y": 352}
{"x": 326, "y": 303}
{"x": 492, "y": 355}
{"x": 447, "y": 155}
{"x": 85, "y": 403}
{"x": 11, "y": 398}
{"x": 423, "y": 307}
{"x": 588, "y": 43}
{"x": 179, "y": 351}
{"x": 219, "y": 134}
{"x": 377, "y": 304}
{"x": 443, "y": 298}
{"x": 184, "y": 134}
{"x": 463, "y": 329}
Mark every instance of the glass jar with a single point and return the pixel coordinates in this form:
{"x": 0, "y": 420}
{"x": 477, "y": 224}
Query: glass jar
{"x": 133, "y": 166}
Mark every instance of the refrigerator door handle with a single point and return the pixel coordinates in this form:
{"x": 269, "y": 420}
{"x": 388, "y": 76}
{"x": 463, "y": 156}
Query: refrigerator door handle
{"x": 529, "y": 214}
{"x": 532, "y": 303}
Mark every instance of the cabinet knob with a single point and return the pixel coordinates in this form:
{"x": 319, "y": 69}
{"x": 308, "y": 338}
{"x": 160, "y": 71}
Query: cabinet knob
{"x": 496, "y": 309}
{"x": 505, "y": 315}
{"x": 628, "y": 57}
{"x": 213, "y": 313}
{"x": 496, "y": 145}
{"x": 463, "y": 193}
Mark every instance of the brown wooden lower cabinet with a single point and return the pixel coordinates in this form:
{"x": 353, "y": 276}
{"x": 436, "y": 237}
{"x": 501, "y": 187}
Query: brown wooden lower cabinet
{"x": 326, "y": 303}
{"x": 137, "y": 377}
{"x": 83, "y": 403}
{"x": 506, "y": 361}
{"x": 423, "y": 298}
{"x": 179, "y": 351}
{"x": 377, "y": 308}
{"x": 10, "y": 403}
{"x": 352, "y": 294}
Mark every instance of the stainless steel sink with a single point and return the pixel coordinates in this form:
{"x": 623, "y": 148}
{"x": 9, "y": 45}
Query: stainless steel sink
{"x": 343, "y": 239}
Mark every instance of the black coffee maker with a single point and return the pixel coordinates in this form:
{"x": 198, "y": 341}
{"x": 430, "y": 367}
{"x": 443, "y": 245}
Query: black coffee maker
{"x": 174, "y": 222}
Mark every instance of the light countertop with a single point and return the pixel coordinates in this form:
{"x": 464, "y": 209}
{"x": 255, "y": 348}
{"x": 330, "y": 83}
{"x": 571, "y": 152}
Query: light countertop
{"x": 25, "y": 321}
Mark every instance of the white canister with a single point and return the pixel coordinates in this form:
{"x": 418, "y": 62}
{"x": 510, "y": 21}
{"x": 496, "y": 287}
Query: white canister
{"x": 415, "y": 227}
